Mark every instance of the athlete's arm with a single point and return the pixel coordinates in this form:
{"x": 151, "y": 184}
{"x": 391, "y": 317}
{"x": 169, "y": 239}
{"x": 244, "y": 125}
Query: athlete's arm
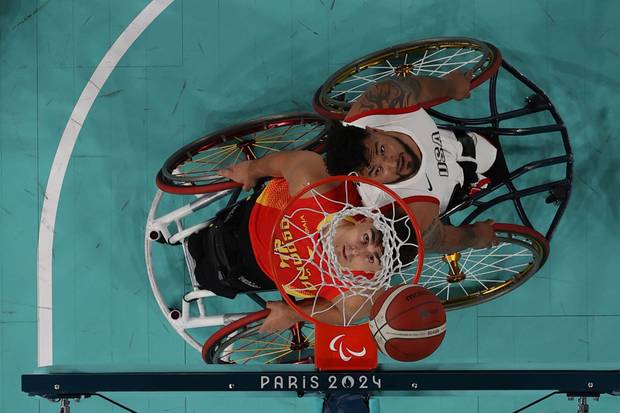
{"x": 404, "y": 92}
{"x": 442, "y": 238}
{"x": 298, "y": 168}
{"x": 282, "y": 316}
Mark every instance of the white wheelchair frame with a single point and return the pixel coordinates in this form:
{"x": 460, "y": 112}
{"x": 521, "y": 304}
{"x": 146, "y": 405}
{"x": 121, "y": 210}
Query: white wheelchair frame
{"x": 157, "y": 230}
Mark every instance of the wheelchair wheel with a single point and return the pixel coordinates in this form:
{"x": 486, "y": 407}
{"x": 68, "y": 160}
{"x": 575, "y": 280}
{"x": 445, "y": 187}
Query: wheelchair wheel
{"x": 430, "y": 57}
{"x": 241, "y": 343}
{"x": 193, "y": 168}
{"x": 474, "y": 276}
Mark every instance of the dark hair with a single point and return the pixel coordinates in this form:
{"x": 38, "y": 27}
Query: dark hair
{"x": 408, "y": 250}
{"x": 345, "y": 151}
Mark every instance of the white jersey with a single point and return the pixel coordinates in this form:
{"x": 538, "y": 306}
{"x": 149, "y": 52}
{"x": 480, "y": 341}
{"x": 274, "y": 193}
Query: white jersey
{"x": 439, "y": 171}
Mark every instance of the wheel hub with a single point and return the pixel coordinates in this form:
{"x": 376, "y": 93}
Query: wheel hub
{"x": 404, "y": 70}
{"x": 455, "y": 274}
{"x": 299, "y": 346}
{"x": 298, "y": 340}
{"x": 246, "y": 143}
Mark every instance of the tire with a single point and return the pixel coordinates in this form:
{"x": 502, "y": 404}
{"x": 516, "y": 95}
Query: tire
{"x": 333, "y": 99}
{"x": 193, "y": 168}
{"x": 241, "y": 343}
{"x": 521, "y": 253}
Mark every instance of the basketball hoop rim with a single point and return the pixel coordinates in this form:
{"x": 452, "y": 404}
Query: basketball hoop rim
{"x": 332, "y": 179}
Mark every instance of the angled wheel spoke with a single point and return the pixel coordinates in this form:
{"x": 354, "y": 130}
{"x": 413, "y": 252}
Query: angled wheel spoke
{"x": 199, "y": 161}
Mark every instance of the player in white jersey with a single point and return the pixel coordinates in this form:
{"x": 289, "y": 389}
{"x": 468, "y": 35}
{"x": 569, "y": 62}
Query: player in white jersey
{"x": 389, "y": 137}
{"x": 441, "y": 158}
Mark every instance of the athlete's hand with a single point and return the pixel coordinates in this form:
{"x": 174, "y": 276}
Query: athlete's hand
{"x": 240, "y": 172}
{"x": 459, "y": 84}
{"x": 281, "y": 317}
{"x": 485, "y": 234}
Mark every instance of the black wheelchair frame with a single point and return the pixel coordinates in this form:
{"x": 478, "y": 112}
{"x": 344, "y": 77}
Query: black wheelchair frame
{"x": 559, "y": 190}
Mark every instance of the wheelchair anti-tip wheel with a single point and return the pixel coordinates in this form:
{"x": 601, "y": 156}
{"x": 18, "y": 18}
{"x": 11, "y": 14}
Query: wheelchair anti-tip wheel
{"x": 430, "y": 57}
{"x": 241, "y": 343}
{"x": 474, "y": 276}
{"x": 193, "y": 168}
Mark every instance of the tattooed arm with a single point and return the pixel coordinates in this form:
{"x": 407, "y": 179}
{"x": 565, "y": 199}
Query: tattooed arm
{"x": 403, "y": 92}
{"x": 446, "y": 239}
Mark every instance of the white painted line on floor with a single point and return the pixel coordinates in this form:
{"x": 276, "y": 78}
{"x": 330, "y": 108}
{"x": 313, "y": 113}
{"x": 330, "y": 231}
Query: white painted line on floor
{"x": 59, "y": 168}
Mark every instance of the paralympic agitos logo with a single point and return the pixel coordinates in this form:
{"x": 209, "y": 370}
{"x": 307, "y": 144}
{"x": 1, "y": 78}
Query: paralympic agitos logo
{"x": 345, "y": 353}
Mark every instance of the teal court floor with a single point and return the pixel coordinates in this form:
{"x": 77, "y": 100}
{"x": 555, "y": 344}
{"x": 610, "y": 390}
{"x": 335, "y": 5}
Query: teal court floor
{"x": 205, "y": 64}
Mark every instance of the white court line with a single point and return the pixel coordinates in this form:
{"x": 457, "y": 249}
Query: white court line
{"x": 59, "y": 168}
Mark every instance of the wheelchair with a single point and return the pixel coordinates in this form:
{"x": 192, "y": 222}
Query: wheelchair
{"x": 532, "y": 194}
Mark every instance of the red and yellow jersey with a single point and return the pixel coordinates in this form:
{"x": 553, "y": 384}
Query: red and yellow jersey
{"x": 303, "y": 278}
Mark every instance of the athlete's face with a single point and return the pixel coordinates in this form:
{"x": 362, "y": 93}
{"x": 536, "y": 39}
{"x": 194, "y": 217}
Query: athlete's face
{"x": 358, "y": 245}
{"x": 389, "y": 159}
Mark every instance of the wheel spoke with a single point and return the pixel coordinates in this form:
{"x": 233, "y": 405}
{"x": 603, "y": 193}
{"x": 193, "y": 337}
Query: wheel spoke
{"x": 371, "y": 77}
{"x": 208, "y": 156}
{"x": 244, "y": 349}
{"x": 256, "y": 351}
{"x": 403, "y": 278}
{"x": 477, "y": 265}
{"x": 443, "y": 289}
{"x": 352, "y": 90}
{"x": 490, "y": 253}
{"x": 265, "y": 141}
{"x": 259, "y": 354}
{"x": 252, "y": 152}
{"x": 199, "y": 162}
{"x": 422, "y": 60}
{"x": 438, "y": 277}
{"x": 437, "y": 266}
{"x": 493, "y": 280}
{"x": 435, "y": 283}
{"x": 445, "y": 59}
{"x": 523, "y": 253}
{"x": 267, "y": 148}
{"x": 463, "y": 288}
{"x": 490, "y": 265}
{"x": 436, "y": 271}
{"x": 496, "y": 269}
{"x": 467, "y": 256}
{"x": 442, "y": 64}
{"x": 428, "y": 64}
{"x": 248, "y": 345}
{"x": 208, "y": 159}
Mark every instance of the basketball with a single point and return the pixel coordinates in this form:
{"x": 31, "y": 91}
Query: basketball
{"x": 408, "y": 322}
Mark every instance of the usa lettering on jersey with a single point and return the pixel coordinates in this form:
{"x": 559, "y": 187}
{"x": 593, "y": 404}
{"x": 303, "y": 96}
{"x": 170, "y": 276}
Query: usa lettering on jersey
{"x": 440, "y": 156}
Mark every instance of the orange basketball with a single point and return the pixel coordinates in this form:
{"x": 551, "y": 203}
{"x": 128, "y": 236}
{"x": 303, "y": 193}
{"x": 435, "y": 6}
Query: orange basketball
{"x": 408, "y": 322}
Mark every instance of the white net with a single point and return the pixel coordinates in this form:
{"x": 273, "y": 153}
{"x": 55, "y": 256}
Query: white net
{"x": 321, "y": 274}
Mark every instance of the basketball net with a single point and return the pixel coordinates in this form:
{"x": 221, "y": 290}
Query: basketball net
{"x": 310, "y": 241}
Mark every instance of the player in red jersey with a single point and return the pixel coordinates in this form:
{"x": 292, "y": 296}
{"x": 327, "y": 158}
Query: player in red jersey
{"x": 233, "y": 254}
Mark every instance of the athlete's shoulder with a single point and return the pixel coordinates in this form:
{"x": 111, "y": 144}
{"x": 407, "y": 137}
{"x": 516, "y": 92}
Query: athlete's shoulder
{"x": 418, "y": 185}
{"x": 375, "y": 117}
